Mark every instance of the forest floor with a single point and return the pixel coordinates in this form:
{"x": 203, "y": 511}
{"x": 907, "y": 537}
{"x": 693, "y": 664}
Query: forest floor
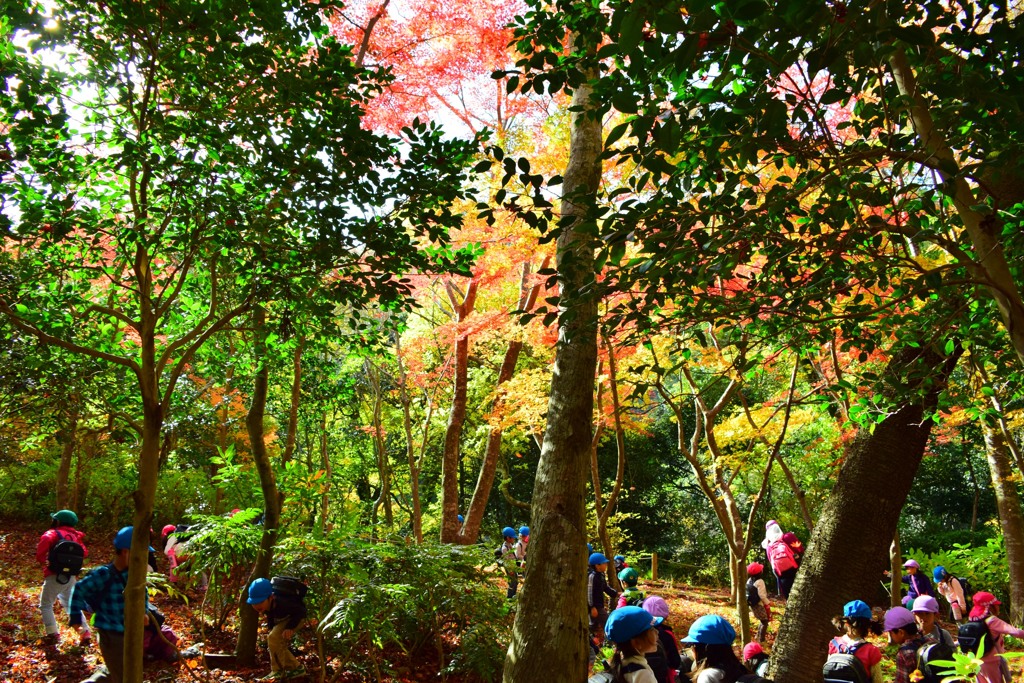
{"x": 24, "y": 658}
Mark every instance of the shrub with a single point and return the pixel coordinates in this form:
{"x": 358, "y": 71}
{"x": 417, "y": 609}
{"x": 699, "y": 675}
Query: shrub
{"x": 405, "y": 597}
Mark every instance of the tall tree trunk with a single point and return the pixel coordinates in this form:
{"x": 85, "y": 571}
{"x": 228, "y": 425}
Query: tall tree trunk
{"x": 470, "y": 530}
{"x": 457, "y": 417}
{"x": 416, "y": 513}
{"x": 857, "y": 521}
{"x": 296, "y": 397}
{"x": 965, "y": 450}
{"x": 69, "y": 436}
{"x": 551, "y": 627}
{"x": 144, "y": 499}
{"x": 325, "y": 463}
{"x": 248, "y": 619}
{"x": 1010, "y": 517}
{"x": 380, "y": 448}
{"x": 988, "y": 263}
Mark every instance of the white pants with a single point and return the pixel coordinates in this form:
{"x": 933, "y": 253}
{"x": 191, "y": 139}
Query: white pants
{"x": 51, "y": 592}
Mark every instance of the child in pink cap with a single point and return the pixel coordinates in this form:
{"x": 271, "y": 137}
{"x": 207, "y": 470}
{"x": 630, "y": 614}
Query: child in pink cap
{"x": 755, "y": 659}
{"x": 993, "y": 667}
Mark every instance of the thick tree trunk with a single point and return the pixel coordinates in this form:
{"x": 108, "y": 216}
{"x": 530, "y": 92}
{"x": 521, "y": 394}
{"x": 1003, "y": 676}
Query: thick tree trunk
{"x": 1010, "y": 516}
{"x": 470, "y": 530}
{"x": 551, "y": 627}
{"x": 456, "y": 418}
{"x": 248, "y": 619}
{"x": 69, "y": 436}
{"x": 850, "y": 543}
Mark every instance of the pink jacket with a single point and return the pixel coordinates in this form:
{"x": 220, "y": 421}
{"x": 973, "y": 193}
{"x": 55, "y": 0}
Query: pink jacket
{"x": 992, "y": 663}
{"x": 51, "y": 537}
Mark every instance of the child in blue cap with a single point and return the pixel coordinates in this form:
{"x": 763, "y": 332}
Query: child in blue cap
{"x": 284, "y": 614}
{"x": 507, "y": 559}
{"x": 855, "y": 624}
{"x": 597, "y": 588}
{"x": 634, "y": 633}
{"x": 710, "y": 640}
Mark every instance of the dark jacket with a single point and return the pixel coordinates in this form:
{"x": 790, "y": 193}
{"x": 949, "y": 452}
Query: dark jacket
{"x": 597, "y": 588}
{"x": 287, "y": 608}
{"x": 918, "y": 584}
{"x": 666, "y": 657}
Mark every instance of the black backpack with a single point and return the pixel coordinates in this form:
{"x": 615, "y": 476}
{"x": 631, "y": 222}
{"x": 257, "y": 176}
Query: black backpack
{"x": 609, "y": 676}
{"x": 752, "y": 678}
{"x": 970, "y": 635}
{"x": 844, "y": 667}
{"x": 933, "y": 652}
{"x": 965, "y": 586}
{"x": 289, "y": 585}
{"x": 752, "y": 596}
{"x": 65, "y": 558}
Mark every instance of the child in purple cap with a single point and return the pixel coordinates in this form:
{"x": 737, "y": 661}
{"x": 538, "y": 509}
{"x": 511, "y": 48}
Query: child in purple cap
{"x": 855, "y": 624}
{"x": 666, "y": 660}
{"x": 917, "y": 582}
{"x": 926, "y": 611}
{"x": 901, "y": 630}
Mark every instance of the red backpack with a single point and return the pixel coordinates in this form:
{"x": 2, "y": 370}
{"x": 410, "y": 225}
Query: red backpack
{"x": 781, "y": 557}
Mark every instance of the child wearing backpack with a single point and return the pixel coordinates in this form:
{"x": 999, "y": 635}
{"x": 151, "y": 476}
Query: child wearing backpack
{"x": 953, "y": 590}
{"x": 984, "y": 621}
{"x": 631, "y": 595}
{"x": 781, "y": 558}
{"x": 926, "y": 611}
{"x": 901, "y": 630}
{"x": 60, "y": 552}
{"x": 710, "y": 639}
{"x": 665, "y": 661}
{"x": 855, "y": 625}
{"x": 284, "y": 614}
{"x": 634, "y": 633}
{"x": 757, "y": 598}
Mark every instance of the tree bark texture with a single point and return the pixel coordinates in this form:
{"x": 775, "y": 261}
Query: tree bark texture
{"x": 549, "y": 638}
{"x": 470, "y": 531}
{"x": 457, "y": 416}
{"x": 1010, "y": 516}
{"x": 851, "y": 541}
{"x": 248, "y": 619}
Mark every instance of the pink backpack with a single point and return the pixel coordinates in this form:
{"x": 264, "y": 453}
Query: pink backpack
{"x": 781, "y": 556}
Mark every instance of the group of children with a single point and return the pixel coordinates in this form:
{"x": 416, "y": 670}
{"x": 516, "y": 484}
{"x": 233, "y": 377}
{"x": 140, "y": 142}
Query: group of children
{"x": 61, "y": 553}
{"x": 644, "y": 654}
{"x": 511, "y": 555}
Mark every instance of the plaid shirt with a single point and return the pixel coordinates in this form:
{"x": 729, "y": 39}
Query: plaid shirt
{"x": 906, "y": 657}
{"x": 102, "y": 593}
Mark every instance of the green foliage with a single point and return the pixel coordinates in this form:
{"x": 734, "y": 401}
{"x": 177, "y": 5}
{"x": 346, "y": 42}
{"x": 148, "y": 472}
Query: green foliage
{"x": 965, "y": 666}
{"x": 222, "y": 549}
{"x": 983, "y": 565}
{"x": 406, "y": 597}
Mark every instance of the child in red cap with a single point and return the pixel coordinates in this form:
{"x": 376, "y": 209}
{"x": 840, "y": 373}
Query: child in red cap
{"x": 757, "y": 598}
